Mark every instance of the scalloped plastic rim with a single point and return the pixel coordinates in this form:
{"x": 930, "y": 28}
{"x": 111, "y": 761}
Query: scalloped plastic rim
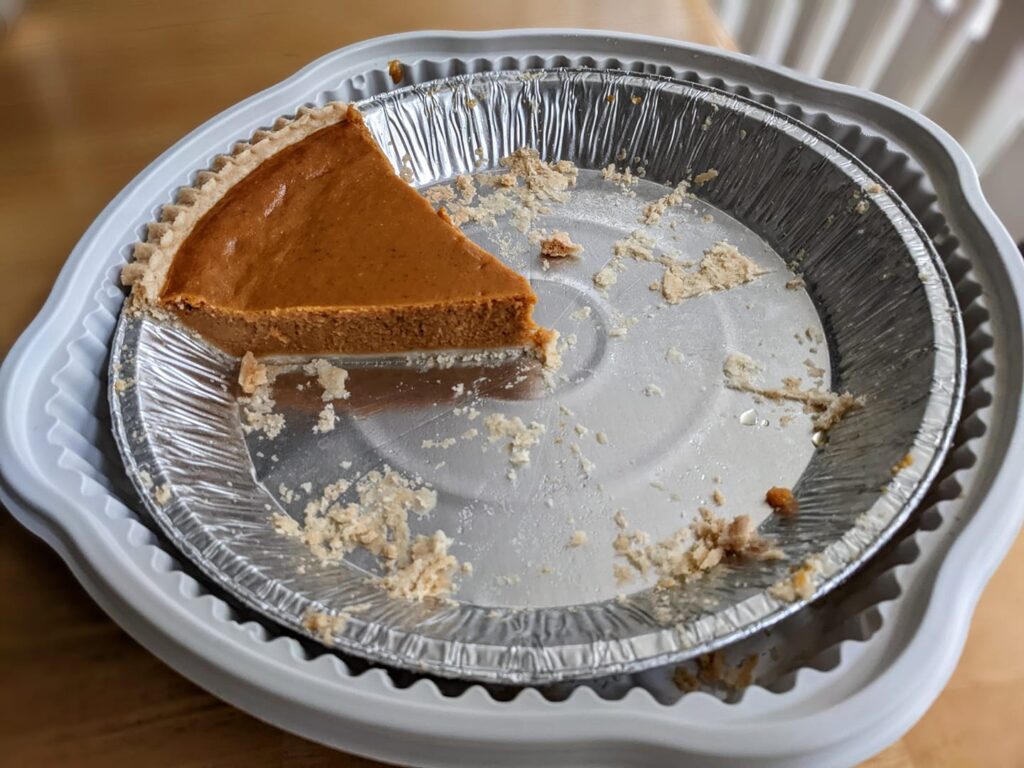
{"x": 276, "y": 682}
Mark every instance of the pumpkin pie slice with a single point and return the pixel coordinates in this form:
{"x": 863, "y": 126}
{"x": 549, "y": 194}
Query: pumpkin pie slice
{"x": 305, "y": 241}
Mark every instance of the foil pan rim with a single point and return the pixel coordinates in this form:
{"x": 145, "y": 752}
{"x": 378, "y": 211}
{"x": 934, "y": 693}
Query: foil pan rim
{"x": 766, "y": 610}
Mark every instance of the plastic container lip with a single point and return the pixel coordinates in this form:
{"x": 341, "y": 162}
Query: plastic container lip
{"x": 191, "y": 645}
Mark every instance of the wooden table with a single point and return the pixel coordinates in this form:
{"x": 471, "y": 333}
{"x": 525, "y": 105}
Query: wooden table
{"x": 91, "y": 92}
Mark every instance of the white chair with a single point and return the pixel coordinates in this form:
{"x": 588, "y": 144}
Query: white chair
{"x": 913, "y": 51}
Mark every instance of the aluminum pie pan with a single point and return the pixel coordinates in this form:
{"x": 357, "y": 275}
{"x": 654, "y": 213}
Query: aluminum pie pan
{"x": 529, "y": 631}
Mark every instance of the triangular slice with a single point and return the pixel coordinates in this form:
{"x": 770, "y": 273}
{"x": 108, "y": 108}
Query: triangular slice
{"x": 305, "y": 241}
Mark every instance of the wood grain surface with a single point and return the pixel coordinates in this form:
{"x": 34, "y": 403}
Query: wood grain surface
{"x": 90, "y": 92}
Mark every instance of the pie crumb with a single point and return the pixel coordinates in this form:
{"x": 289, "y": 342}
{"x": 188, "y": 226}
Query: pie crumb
{"x": 703, "y": 178}
{"x": 716, "y": 670}
{"x": 428, "y": 571}
{"x": 332, "y": 378}
{"x": 829, "y": 408}
{"x": 902, "y": 464}
{"x": 558, "y": 245}
{"x": 623, "y": 574}
{"x": 326, "y": 625}
{"x": 325, "y": 420}
{"x": 162, "y": 494}
{"x": 653, "y": 212}
{"x": 782, "y": 501}
{"x": 799, "y": 585}
{"x": 396, "y": 71}
{"x": 521, "y": 437}
{"x": 546, "y": 346}
{"x": 444, "y": 444}
{"x": 718, "y": 497}
{"x": 252, "y": 374}
{"x": 722, "y": 267}
{"x": 623, "y": 179}
{"x": 605, "y": 278}
{"x": 685, "y": 680}
{"x": 578, "y": 539}
{"x": 377, "y": 521}
{"x": 691, "y": 552}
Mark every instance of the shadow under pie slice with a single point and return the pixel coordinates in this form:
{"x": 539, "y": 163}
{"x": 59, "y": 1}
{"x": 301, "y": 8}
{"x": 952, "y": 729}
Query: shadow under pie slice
{"x": 306, "y": 241}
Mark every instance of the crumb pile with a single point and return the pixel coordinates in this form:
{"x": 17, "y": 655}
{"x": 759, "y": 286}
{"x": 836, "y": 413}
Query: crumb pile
{"x": 524, "y": 191}
{"x": 625, "y": 179}
{"x": 715, "y": 671}
{"x": 722, "y": 267}
{"x": 829, "y": 408}
{"x": 521, "y": 437}
{"x": 653, "y": 212}
{"x": 691, "y": 552}
{"x": 256, "y": 380}
{"x": 378, "y": 522}
{"x": 257, "y": 402}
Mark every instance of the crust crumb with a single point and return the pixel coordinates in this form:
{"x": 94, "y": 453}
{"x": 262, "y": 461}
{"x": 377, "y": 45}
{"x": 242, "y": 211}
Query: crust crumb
{"x": 829, "y": 408}
{"x": 558, "y": 245}
{"x": 252, "y": 374}
{"x": 325, "y": 420}
{"x": 722, "y": 267}
{"x": 691, "y": 552}
{"x": 428, "y": 571}
{"x": 162, "y": 494}
{"x": 378, "y": 522}
{"x": 800, "y": 583}
{"x": 716, "y": 670}
{"x": 521, "y": 437}
{"x": 703, "y": 178}
{"x": 326, "y": 625}
{"x": 653, "y": 212}
{"x": 605, "y": 278}
{"x": 578, "y": 539}
{"x": 331, "y": 378}
{"x": 685, "y": 680}
{"x": 258, "y": 407}
{"x": 796, "y": 283}
{"x": 625, "y": 180}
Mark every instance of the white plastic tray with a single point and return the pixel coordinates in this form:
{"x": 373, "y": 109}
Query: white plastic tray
{"x": 61, "y": 479}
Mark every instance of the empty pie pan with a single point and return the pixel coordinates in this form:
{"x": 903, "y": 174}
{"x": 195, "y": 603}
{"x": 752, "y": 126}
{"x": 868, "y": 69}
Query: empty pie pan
{"x": 872, "y": 314}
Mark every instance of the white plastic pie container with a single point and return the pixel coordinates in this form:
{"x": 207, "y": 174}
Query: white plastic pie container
{"x": 854, "y": 671}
